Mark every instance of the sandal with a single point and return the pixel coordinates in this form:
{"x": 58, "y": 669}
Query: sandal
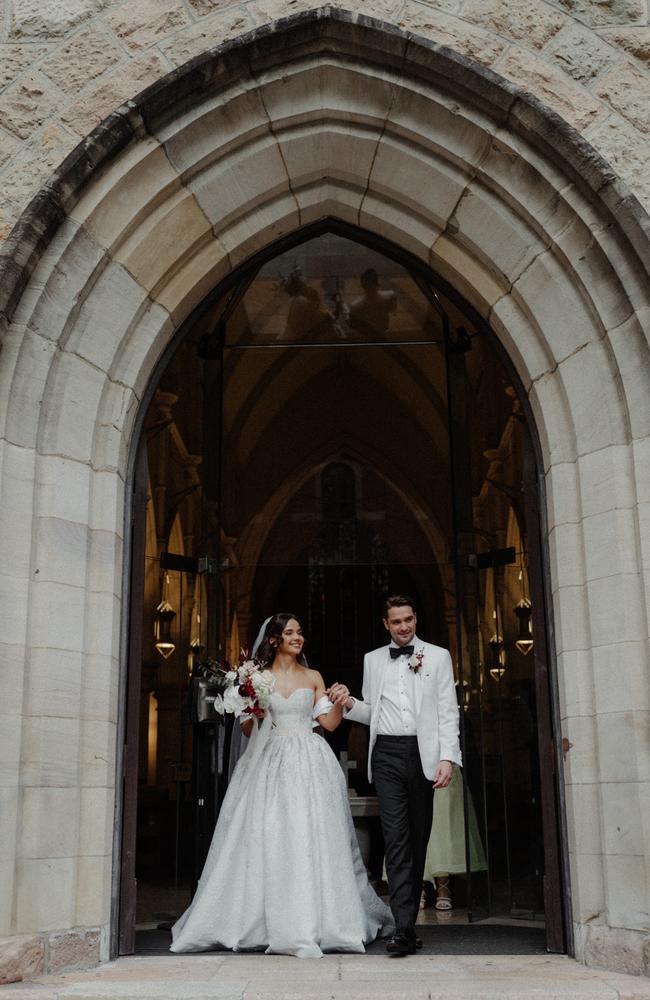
{"x": 443, "y": 893}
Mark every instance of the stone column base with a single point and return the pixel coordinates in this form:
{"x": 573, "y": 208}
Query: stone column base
{"x": 614, "y": 948}
{"x": 28, "y": 955}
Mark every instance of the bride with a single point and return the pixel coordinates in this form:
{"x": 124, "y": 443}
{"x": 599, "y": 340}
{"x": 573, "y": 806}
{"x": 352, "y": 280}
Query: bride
{"x": 284, "y": 871}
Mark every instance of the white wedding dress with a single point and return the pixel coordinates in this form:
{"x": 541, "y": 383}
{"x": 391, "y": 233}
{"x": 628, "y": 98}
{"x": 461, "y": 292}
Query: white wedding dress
{"x": 284, "y": 872}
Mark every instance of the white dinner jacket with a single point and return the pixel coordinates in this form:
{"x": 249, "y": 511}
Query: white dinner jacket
{"x": 436, "y": 708}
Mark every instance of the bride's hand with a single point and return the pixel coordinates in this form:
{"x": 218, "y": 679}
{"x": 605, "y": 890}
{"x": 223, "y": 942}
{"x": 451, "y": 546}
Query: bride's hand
{"x": 338, "y": 694}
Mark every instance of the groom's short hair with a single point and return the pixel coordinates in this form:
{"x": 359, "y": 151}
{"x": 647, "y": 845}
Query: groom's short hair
{"x": 398, "y": 601}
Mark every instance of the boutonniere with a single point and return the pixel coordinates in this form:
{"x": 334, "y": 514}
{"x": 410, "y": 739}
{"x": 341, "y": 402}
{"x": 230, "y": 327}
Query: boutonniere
{"x": 415, "y": 662}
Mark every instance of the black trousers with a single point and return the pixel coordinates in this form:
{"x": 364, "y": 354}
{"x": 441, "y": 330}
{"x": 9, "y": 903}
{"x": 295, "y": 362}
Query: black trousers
{"x": 406, "y": 810}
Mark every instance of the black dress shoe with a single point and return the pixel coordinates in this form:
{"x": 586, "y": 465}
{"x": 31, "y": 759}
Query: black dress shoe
{"x": 400, "y": 944}
{"x": 418, "y": 942}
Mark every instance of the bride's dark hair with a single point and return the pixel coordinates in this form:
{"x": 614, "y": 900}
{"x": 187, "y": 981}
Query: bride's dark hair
{"x": 273, "y": 638}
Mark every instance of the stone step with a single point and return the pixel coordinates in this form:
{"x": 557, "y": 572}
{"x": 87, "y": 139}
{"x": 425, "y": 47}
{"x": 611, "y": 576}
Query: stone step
{"x": 342, "y": 977}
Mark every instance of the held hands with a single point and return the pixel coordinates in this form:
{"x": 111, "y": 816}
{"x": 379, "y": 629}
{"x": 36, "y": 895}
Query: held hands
{"x": 338, "y": 694}
{"x": 443, "y": 773}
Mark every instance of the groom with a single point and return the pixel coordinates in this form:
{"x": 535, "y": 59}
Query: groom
{"x": 409, "y": 702}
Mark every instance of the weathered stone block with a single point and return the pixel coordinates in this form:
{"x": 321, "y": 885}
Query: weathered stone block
{"x": 31, "y": 164}
{"x": 50, "y": 822}
{"x": 600, "y": 419}
{"x": 198, "y": 38}
{"x": 172, "y": 230}
{"x": 601, "y": 12}
{"x": 627, "y": 900}
{"x": 97, "y": 752}
{"x": 102, "y": 627}
{"x": 117, "y": 298}
{"x": 78, "y": 949}
{"x": 567, "y": 555}
{"x": 83, "y": 115}
{"x": 72, "y": 409}
{"x": 149, "y": 334}
{"x": 634, "y": 40}
{"x": 53, "y": 682}
{"x": 93, "y": 891}
{"x": 45, "y": 890}
{"x": 620, "y": 677}
{"x": 38, "y": 20}
{"x": 466, "y": 273}
{"x": 551, "y": 86}
{"x": 50, "y": 751}
{"x": 576, "y": 686}
{"x": 610, "y": 543}
{"x": 532, "y": 24}
{"x": 15, "y": 59}
{"x": 200, "y": 273}
{"x": 21, "y": 957}
{"x": 627, "y": 88}
{"x": 606, "y": 480}
{"x": 587, "y": 888}
{"x": 626, "y": 149}
{"x": 583, "y": 814}
{"x": 581, "y": 763}
{"x": 28, "y": 104}
{"x": 571, "y": 619}
{"x": 203, "y": 7}
{"x": 96, "y": 822}
{"x": 615, "y": 606}
{"x": 444, "y": 28}
{"x": 563, "y": 495}
{"x": 60, "y": 550}
{"x": 143, "y": 24}
{"x": 437, "y": 183}
{"x": 551, "y": 312}
{"x": 576, "y": 50}
{"x": 85, "y": 57}
{"x": 617, "y": 949}
{"x": 622, "y": 827}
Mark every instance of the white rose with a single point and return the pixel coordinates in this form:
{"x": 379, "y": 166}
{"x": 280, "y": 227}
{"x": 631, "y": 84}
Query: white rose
{"x": 231, "y": 677}
{"x": 233, "y": 701}
{"x": 219, "y": 706}
{"x": 261, "y": 681}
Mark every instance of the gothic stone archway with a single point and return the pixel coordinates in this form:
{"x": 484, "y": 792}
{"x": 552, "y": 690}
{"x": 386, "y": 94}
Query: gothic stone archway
{"x": 325, "y": 115}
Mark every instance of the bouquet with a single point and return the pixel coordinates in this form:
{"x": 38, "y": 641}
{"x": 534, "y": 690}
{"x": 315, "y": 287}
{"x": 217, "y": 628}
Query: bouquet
{"x": 248, "y": 689}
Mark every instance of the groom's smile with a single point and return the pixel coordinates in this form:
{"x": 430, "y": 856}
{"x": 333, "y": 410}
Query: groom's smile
{"x": 401, "y": 623}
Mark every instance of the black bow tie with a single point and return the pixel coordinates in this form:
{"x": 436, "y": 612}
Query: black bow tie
{"x": 396, "y": 651}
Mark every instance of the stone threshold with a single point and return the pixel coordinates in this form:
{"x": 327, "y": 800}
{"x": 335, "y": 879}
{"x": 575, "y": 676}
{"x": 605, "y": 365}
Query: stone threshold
{"x": 335, "y": 977}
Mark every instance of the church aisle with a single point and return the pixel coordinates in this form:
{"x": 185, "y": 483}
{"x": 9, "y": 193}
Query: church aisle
{"x": 253, "y": 977}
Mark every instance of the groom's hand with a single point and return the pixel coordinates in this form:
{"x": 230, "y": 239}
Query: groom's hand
{"x": 338, "y": 694}
{"x": 442, "y": 774}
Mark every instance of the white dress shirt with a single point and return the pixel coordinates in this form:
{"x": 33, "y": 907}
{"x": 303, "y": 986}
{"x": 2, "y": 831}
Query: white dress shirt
{"x": 397, "y": 704}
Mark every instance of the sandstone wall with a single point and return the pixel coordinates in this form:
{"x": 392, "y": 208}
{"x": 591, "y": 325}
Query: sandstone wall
{"x": 65, "y": 64}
